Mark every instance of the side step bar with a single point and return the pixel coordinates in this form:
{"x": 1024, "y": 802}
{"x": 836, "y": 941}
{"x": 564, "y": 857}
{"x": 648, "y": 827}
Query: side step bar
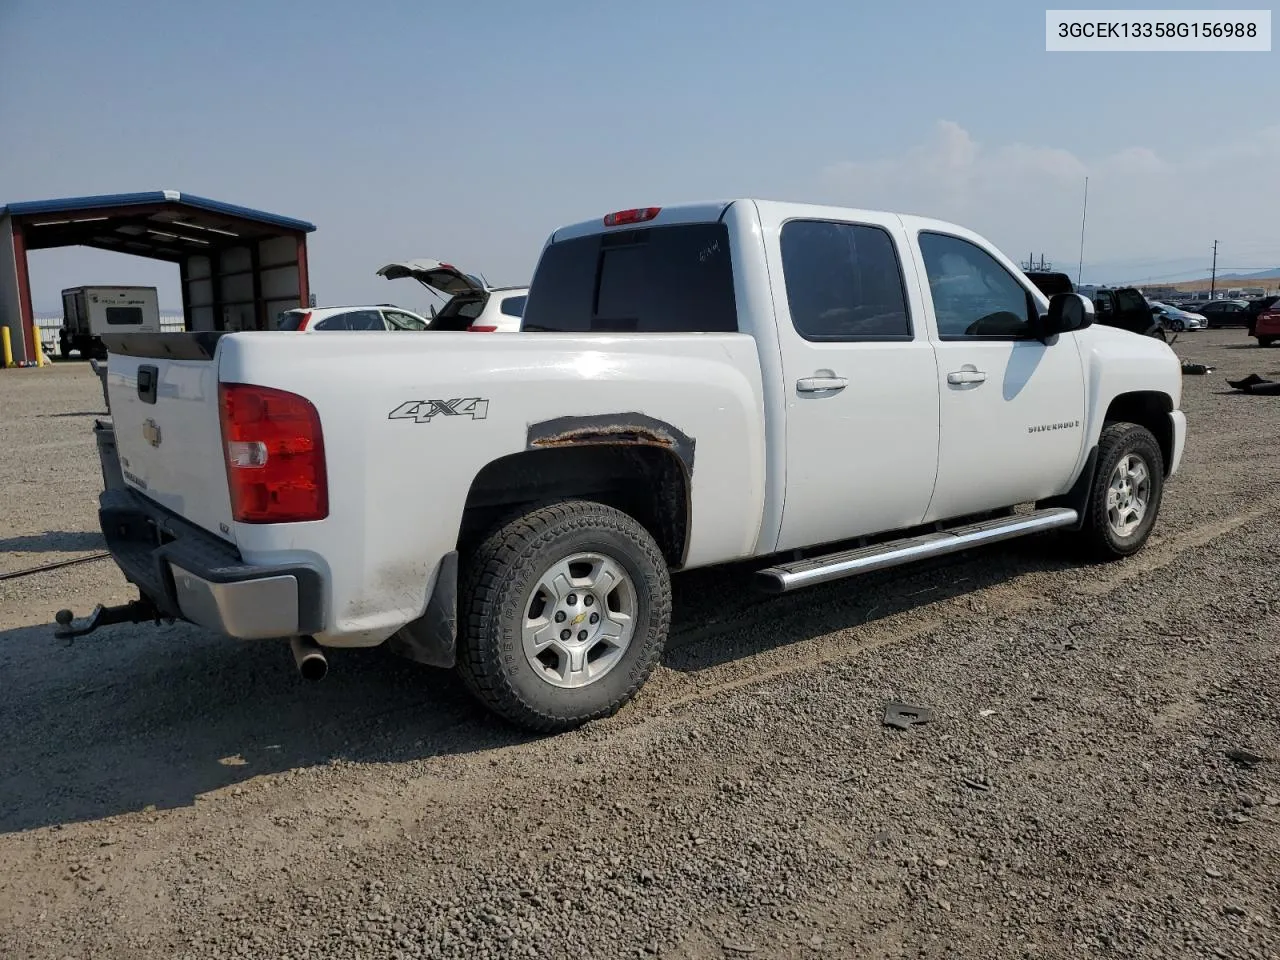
{"x": 849, "y": 563}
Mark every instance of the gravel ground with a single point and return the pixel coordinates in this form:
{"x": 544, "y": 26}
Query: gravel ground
{"x": 166, "y": 794}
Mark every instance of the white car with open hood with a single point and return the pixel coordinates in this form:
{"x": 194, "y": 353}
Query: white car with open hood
{"x": 472, "y": 305}
{"x": 825, "y": 391}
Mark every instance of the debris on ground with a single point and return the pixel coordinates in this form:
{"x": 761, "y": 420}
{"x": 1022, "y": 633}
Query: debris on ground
{"x": 1196, "y": 369}
{"x": 904, "y": 716}
{"x": 1245, "y": 758}
{"x": 1255, "y": 384}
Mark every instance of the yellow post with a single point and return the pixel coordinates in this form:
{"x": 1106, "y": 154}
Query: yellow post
{"x": 8, "y": 347}
{"x": 41, "y": 360}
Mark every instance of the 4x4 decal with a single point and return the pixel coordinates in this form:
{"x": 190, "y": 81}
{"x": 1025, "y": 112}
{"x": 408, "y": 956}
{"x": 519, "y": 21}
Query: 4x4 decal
{"x": 422, "y": 411}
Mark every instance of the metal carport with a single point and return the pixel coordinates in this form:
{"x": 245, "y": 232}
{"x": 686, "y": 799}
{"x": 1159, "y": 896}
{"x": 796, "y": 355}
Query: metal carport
{"x": 239, "y": 267}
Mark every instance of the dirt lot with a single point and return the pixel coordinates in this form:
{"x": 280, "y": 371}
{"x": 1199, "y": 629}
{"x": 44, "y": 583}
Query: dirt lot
{"x": 166, "y": 794}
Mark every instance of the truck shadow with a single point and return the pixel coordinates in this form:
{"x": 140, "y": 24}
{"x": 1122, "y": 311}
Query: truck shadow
{"x": 717, "y": 618}
{"x": 137, "y": 717}
{"x": 143, "y": 716}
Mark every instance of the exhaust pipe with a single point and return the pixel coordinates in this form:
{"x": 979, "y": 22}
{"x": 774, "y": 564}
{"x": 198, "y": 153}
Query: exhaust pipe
{"x": 310, "y": 659}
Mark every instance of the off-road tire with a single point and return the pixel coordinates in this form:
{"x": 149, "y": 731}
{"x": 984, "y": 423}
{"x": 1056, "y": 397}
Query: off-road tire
{"x": 1098, "y": 539}
{"x": 497, "y": 578}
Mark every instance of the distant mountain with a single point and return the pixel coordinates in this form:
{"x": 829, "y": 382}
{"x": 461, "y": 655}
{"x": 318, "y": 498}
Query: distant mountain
{"x": 1256, "y": 275}
{"x": 1194, "y": 279}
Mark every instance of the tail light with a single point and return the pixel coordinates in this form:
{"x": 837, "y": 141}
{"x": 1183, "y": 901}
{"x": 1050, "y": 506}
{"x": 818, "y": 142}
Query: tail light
{"x": 638, "y": 215}
{"x": 482, "y": 328}
{"x": 275, "y": 455}
{"x": 306, "y": 318}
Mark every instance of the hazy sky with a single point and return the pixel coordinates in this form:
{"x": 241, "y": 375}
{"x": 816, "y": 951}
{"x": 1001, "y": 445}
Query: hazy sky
{"x": 468, "y": 132}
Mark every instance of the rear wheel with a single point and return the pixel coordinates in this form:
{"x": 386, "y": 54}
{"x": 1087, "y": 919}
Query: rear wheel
{"x": 564, "y": 615}
{"x": 1266, "y": 341}
{"x": 1126, "y": 494}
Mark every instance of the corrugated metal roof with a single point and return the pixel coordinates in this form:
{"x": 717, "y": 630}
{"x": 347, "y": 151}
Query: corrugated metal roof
{"x": 69, "y": 204}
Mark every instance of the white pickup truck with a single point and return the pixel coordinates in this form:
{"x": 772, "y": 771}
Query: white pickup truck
{"x": 829, "y": 390}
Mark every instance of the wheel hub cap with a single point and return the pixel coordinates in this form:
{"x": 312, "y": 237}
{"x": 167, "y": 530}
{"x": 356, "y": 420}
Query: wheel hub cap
{"x": 579, "y": 619}
{"x": 1128, "y": 495}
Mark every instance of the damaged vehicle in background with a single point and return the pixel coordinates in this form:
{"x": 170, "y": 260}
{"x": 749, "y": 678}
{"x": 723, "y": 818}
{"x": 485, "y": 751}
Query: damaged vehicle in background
{"x": 1125, "y": 307}
{"x": 1264, "y": 323}
{"x": 383, "y": 316}
{"x": 472, "y": 305}
{"x": 1175, "y": 319}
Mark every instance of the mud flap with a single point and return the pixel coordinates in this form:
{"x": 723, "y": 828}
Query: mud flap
{"x": 433, "y": 638}
{"x": 1077, "y": 498}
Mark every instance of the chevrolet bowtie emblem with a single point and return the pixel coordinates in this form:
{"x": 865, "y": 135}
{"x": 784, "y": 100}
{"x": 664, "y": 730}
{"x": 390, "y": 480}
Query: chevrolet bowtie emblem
{"x": 151, "y": 432}
{"x": 578, "y": 619}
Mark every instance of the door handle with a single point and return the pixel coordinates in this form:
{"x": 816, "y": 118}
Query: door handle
{"x": 820, "y": 384}
{"x": 966, "y": 376}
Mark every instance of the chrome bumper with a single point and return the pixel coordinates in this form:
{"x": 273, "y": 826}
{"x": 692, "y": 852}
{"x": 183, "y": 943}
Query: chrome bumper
{"x": 251, "y": 609}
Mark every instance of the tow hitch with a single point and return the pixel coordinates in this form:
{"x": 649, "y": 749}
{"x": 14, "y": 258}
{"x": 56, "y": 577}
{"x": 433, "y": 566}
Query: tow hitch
{"x": 135, "y": 611}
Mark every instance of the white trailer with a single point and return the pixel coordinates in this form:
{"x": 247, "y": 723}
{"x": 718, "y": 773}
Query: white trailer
{"x": 90, "y": 312}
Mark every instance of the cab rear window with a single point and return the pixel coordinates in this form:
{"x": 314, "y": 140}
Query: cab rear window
{"x": 673, "y": 279}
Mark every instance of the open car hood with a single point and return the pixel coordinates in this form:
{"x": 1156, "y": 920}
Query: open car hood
{"x": 444, "y": 277}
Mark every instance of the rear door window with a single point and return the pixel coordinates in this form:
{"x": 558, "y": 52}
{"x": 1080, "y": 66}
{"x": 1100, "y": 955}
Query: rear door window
{"x": 674, "y": 279}
{"x": 843, "y": 281}
{"x": 365, "y": 320}
{"x": 336, "y": 322}
{"x": 398, "y": 320}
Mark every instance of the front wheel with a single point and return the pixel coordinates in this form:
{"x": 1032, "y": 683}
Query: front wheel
{"x": 1126, "y": 494}
{"x": 1178, "y": 326}
{"x": 564, "y": 615}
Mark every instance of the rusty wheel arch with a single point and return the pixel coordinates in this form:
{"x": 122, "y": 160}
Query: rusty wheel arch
{"x": 612, "y": 428}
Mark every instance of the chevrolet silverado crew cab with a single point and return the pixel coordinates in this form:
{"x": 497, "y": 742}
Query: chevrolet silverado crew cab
{"x": 826, "y": 391}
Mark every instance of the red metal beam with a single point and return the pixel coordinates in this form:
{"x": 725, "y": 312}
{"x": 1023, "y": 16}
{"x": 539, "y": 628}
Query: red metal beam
{"x": 24, "y": 292}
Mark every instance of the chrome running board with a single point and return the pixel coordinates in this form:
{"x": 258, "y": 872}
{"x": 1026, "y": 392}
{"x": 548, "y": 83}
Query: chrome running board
{"x": 849, "y": 563}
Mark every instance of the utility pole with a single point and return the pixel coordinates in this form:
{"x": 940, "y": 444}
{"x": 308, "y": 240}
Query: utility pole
{"x": 1083, "y": 214}
{"x": 1213, "y": 277}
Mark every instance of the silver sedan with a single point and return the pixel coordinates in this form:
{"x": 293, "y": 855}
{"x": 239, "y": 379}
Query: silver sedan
{"x": 1171, "y": 318}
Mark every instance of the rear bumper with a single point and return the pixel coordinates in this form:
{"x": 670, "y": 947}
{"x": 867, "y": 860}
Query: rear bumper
{"x": 190, "y": 574}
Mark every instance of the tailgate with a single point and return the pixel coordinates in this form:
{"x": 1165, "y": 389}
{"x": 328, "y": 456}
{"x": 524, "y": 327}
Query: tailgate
{"x": 163, "y": 393}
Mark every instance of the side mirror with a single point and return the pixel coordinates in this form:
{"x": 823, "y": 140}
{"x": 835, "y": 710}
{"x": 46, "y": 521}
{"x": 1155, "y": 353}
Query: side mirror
{"x": 1068, "y": 312}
